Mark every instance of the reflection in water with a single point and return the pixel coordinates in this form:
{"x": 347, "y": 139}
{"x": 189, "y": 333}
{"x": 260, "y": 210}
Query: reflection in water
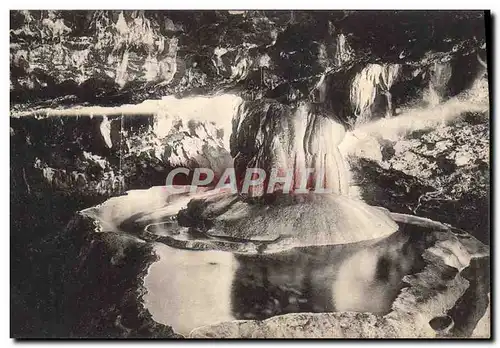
{"x": 188, "y": 289}
{"x": 362, "y": 277}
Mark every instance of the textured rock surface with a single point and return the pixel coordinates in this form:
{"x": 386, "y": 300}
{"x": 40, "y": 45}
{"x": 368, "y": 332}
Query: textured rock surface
{"x": 128, "y": 56}
{"x": 101, "y": 152}
{"x": 274, "y": 137}
{"x": 93, "y": 288}
{"x": 309, "y": 219}
{"x": 115, "y": 309}
{"x": 483, "y": 327}
{"x": 441, "y": 173}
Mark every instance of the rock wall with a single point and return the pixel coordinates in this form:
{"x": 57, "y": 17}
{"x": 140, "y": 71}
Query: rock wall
{"x": 85, "y": 283}
{"x": 442, "y": 173}
{"x": 117, "y": 57}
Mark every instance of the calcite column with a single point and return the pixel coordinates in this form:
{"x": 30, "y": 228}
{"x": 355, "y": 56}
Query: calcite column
{"x": 281, "y": 140}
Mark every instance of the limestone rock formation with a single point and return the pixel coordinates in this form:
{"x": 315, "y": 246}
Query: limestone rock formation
{"x": 289, "y": 141}
{"x": 117, "y": 57}
{"x": 451, "y": 283}
{"x": 104, "y": 104}
{"x": 299, "y": 219}
{"x": 441, "y": 173}
{"x": 107, "y": 153}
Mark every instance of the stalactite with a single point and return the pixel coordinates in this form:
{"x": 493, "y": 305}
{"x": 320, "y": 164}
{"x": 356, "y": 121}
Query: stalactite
{"x": 389, "y": 75}
{"x": 271, "y": 135}
{"x": 344, "y": 52}
{"x": 364, "y": 90}
{"x": 440, "y": 74}
{"x": 105, "y": 129}
{"x": 373, "y": 79}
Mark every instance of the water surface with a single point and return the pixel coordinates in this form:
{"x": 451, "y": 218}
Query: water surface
{"x": 187, "y": 289}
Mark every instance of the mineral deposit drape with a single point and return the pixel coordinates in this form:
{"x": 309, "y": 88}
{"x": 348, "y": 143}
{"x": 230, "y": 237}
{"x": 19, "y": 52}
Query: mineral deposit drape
{"x": 249, "y": 174}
